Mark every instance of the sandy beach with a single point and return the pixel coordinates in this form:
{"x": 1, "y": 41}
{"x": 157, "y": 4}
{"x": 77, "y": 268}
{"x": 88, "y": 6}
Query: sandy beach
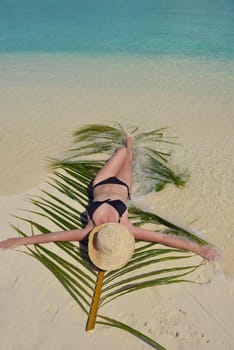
{"x": 43, "y": 99}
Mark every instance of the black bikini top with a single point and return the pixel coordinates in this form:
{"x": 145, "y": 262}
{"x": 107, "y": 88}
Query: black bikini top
{"x": 117, "y": 204}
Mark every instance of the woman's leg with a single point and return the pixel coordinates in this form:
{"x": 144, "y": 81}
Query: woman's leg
{"x": 125, "y": 172}
{"x": 112, "y": 166}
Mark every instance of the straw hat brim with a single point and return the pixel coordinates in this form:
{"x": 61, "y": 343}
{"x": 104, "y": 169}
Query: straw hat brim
{"x": 111, "y": 246}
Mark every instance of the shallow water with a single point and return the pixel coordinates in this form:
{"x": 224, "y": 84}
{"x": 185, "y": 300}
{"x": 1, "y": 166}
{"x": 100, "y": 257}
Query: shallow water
{"x": 179, "y": 27}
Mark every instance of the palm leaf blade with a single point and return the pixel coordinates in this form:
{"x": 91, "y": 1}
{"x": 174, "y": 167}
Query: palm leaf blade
{"x": 113, "y": 323}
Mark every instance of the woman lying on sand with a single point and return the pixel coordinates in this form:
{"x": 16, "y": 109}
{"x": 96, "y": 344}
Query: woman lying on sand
{"x": 111, "y": 191}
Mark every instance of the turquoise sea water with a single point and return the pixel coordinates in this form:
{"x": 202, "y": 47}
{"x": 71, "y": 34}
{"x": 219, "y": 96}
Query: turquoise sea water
{"x": 155, "y": 27}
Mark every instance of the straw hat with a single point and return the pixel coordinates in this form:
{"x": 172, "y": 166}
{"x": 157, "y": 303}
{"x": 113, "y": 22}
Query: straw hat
{"x": 111, "y": 246}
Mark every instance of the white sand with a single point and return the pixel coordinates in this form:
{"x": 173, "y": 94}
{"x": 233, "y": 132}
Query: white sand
{"x": 42, "y": 101}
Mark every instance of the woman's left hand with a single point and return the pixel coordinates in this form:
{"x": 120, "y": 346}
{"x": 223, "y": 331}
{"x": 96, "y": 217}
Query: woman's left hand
{"x": 209, "y": 253}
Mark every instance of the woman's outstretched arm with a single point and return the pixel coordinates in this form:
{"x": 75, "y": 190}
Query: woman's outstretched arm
{"x": 206, "y": 251}
{"x": 60, "y": 236}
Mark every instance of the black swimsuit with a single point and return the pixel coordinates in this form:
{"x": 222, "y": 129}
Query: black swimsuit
{"x": 117, "y": 204}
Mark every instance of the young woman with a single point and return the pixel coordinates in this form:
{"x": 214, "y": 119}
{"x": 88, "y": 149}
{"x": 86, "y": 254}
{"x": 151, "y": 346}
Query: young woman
{"x": 111, "y": 191}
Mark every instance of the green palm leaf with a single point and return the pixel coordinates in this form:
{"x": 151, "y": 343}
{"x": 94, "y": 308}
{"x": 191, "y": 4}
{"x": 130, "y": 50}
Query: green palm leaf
{"x": 69, "y": 182}
{"x": 120, "y": 325}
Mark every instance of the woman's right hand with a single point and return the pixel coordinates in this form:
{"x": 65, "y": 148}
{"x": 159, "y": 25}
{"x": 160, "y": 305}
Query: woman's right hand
{"x": 9, "y": 243}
